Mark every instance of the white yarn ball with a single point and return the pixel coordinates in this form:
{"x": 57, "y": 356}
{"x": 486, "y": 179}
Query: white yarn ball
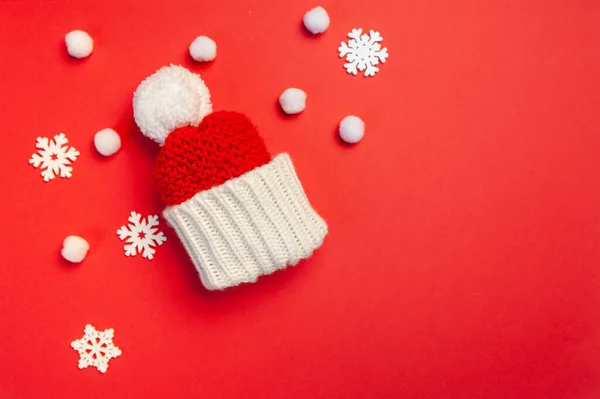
{"x": 79, "y": 44}
{"x": 107, "y": 142}
{"x": 203, "y": 49}
{"x": 170, "y": 98}
{"x": 316, "y": 20}
{"x": 292, "y": 101}
{"x": 352, "y": 129}
{"x": 75, "y": 249}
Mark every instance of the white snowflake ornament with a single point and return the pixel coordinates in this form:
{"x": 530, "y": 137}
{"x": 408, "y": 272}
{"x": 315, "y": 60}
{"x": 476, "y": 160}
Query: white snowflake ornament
{"x": 96, "y": 348}
{"x": 141, "y": 235}
{"x": 363, "y": 52}
{"x": 54, "y": 157}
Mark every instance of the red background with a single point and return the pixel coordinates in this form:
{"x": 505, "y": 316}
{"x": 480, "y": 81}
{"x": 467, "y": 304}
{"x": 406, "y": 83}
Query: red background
{"x": 464, "y": 247}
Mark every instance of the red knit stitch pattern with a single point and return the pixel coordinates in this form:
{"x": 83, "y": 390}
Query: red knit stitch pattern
{"x": 193, "y": 159}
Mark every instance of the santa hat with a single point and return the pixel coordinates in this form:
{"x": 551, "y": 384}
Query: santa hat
{"x": 238, "y": 212}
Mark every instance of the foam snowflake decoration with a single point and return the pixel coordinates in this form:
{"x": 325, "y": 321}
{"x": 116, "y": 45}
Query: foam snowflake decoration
{"x": 363, "y": 52}
{"x": 96, "y": 348}
{"x": 54, "y": 157}
{"x": 141, "y": 236}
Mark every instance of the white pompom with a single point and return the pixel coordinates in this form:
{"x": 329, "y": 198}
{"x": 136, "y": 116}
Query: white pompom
{"x": 316, "y": 20}
{"x": 352, "y": 129}
{"x": 107, "y": 142}
{"x": 79, "y": 44}
{"x": 170, "y": 98}
{"x": 292, "y": 101}
{"x": 75, "y": 249}
{"x": 203, "y": 49}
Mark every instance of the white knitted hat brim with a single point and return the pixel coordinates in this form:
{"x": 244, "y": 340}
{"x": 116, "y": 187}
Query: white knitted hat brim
{"x": 249, "y": 226}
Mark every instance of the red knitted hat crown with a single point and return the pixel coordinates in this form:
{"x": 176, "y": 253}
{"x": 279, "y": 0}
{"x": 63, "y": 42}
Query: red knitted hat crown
{"x": 225, "y": 145}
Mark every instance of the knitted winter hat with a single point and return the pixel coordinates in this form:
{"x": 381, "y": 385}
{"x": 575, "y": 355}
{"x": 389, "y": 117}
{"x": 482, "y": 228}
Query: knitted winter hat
{"x": 238, "y": 212}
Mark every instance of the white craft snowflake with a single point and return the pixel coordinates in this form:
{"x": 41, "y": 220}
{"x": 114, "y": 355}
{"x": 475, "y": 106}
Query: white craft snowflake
{"x": 141, "y": 235}
{"x": 96, "y": 348}
{"x": 54, "y": 157}
{"x": 363, "y": 52}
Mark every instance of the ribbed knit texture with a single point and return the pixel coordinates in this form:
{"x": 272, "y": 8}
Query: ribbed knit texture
{"x": 248, "y": 226}
{"x": 225, "y": 145}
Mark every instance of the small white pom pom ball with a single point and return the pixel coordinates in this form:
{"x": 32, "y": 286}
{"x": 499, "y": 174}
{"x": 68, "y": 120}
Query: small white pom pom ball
{"x": 292, "y": 101}
{"x": 316, "y": 20}
{"x": 170, "y": 98}
{"x": 79, "y": 44}
{"x": 352, "y": 129}
{"x": 75, "y": 249}
{"x": 203, "y": 49}
{"x": 107, "y": 142}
